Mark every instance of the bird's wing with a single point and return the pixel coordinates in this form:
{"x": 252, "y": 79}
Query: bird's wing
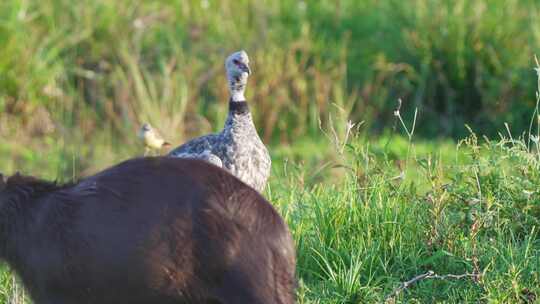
{"x": 206, "y": 156}
{"x": 196, "y": 146}
{"x": 212, "y": 158}
{"x": 158, "y": 134}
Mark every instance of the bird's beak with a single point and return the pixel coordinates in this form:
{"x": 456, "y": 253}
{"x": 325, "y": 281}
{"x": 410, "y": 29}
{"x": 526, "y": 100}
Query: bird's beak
{"x": 245, "y": 68}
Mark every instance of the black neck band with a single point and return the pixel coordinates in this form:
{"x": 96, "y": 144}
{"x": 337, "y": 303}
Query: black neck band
{"x": 238, "y": 107}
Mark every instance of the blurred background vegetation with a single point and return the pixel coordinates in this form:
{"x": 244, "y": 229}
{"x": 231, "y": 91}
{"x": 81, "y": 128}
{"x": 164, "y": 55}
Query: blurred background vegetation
{"x": 78, "y": 78}
{"x": 368, "y": 209}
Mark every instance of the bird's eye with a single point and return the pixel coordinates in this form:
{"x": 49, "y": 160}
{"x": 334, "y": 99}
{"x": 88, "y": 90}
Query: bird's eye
{"x": 235, "y": 61}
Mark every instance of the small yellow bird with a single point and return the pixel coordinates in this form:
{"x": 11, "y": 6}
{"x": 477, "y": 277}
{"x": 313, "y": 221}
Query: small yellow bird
{"x": 151, "y": 139}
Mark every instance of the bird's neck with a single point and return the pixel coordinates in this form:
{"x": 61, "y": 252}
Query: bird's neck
{"x": 238, "y": 108}
{"x": 238, "y": 96}
{"x": 239, "y": 122}
{"x": 236, "y": 89}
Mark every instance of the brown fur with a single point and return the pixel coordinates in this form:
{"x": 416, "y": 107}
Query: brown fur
{"x": 151, "y": 230}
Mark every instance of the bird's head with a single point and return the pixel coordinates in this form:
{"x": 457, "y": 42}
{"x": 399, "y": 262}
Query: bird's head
{"x": 144, "y": 130}
{"x": 146, "y": 127}
{"x": 237, "y": 67}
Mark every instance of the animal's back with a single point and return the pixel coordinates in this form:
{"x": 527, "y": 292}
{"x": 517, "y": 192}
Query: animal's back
{"x": 163, "y": 230}
{"x": 249, "y": 162}
{"x": 196, "y": 146}
{"x": 238, "y": 147}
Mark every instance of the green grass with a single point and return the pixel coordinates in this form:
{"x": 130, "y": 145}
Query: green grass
{"x": 101, "y": 64}
{"x": 383, "y": 212}
{"x": 368, "y": 210}
{"x": 449, "y": 208}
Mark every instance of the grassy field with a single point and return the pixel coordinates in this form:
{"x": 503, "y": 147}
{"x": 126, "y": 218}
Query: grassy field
{"x": 402, "y": 211}
{"x": 370, "y": 214}
{"x": 370, "y": 206}
{"x": 108, "y": 65}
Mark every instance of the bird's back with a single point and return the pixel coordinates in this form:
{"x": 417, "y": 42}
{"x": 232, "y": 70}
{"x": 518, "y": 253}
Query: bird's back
{"x": 196, "y": 146}
{"x": 246, "y": 157}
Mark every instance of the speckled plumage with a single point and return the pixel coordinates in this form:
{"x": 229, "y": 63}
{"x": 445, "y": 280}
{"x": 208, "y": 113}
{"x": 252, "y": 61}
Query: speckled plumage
{"x": 237, "y": 148}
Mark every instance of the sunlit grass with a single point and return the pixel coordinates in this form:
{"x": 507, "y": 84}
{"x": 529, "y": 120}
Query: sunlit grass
{"x": 368, "y": 210}
{"x": 110, "y": 65}
{"x": 367, "y": 220}
{"x": 357, "y": 239}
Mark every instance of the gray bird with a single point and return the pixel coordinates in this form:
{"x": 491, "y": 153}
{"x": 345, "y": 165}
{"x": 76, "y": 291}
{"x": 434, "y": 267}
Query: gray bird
{"x": 237, "y": 148}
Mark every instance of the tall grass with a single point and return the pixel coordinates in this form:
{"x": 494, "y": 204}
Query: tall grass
{"x": 101, "y": 65}
{"x": 370, "y": 214}
{"x": 470, "y": 208}
{"x": 77, "y": 79}
{"x": 367, "y": 220}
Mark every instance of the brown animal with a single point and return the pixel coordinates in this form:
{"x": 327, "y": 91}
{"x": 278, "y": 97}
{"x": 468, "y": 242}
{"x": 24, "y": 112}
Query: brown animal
{"x": 147, "y": 231}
